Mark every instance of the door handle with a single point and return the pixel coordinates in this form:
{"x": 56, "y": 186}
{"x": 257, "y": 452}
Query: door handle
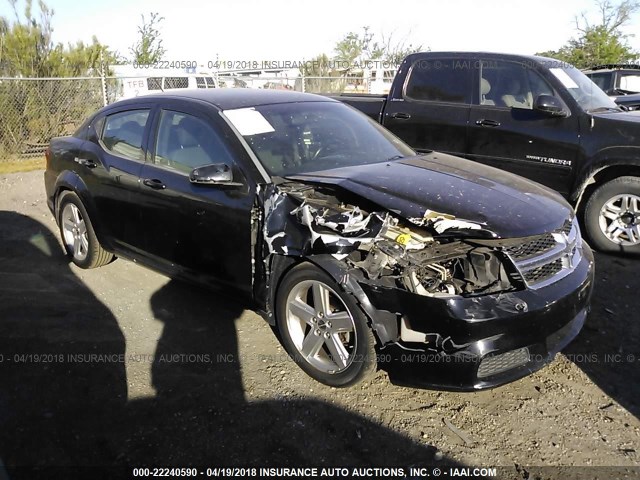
{"x": 154, "y": 183}
{"x": 484, "y": 122}
{"x": 401, "y": 116}
{"x": 85, "y": 162}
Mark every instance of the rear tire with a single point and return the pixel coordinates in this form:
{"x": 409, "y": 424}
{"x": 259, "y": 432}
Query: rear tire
{"x": 612, "y": 216}
{"x": 77, "y": 233}
{"x": 323, "y": 329}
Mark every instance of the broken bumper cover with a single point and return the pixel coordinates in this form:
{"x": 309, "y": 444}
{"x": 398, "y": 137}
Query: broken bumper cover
{"x": 472, "y": 343}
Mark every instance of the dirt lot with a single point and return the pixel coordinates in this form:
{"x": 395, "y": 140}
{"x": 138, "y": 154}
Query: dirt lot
{"x": 120, "y": 365}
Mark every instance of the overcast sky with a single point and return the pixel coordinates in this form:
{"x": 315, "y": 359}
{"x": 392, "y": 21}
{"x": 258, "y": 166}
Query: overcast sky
{"x": 295, "y": 30}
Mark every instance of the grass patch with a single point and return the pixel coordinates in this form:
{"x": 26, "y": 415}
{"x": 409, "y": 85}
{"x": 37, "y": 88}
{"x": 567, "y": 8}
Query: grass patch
{"x": 25, "y": 165}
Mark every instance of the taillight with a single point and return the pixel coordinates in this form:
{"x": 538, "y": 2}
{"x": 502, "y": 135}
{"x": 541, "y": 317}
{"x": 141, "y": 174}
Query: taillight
{"x": 47, "y": 156}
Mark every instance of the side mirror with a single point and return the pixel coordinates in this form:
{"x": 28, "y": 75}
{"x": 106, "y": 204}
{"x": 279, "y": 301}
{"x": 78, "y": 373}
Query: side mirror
{"x": 549, "y": 105}
{"x": 215, "y": 174}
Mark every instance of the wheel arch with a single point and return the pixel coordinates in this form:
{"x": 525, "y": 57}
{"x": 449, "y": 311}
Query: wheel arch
{"x": 598, "y": 176}
{"x": 383, "y": 323}
{"x": 71, "y": 181}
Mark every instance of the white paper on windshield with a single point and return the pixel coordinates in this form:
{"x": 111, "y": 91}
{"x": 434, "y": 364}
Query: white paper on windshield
{"x": 249, "y": 121}
{"x": 566, "y": 80}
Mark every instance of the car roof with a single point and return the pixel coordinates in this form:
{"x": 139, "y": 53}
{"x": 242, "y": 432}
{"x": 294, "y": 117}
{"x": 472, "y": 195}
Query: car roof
{"x": 492, "y": 55}
{"x": 231, "y": 98}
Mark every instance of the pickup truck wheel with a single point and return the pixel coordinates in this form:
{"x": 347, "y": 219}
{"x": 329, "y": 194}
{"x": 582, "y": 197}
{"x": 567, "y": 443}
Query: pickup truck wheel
{"x": 78, "y": 237}
{"x": 323, "y": 329}
{"x": 612, "y": 216}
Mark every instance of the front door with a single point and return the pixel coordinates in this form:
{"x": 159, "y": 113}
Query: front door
{"x": 506, "y": 132}
{"x": 203, "y": 229}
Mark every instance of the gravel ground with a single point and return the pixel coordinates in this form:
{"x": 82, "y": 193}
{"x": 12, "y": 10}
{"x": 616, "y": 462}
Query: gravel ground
{"x": 122, "y": 366}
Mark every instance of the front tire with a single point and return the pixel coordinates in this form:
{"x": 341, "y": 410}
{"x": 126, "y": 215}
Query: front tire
{"x": 612, "y": 216}
{"x": 77, "y": 233}
{"x": 323, "y": 329}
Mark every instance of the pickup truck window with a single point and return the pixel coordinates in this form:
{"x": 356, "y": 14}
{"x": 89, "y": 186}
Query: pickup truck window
{"x": 314, "y": 136}
{"x": 510, "y": 85}
{"x": 630, "y": 82}
{"x": 444, "y": 80}
{"x": 602, "y": 80}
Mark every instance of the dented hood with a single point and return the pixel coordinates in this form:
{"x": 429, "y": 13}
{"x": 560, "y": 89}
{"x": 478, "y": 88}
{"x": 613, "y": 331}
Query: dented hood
{"x": 505, "y": 205}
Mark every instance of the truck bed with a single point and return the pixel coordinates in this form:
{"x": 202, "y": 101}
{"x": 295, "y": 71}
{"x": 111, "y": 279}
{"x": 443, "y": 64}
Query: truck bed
{"x": 370, "y": 104}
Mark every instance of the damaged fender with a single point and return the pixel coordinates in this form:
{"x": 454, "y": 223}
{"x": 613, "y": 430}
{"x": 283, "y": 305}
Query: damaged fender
{"x": 360, "y": 244}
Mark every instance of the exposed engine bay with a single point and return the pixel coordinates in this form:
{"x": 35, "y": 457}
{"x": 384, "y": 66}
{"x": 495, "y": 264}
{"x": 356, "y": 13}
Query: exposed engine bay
{"x": 423, "y": 256}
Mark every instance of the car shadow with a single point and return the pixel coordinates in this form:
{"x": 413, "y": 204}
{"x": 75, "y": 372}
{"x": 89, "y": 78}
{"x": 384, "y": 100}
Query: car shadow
{"x": 200, "y": 403}
{"x": 63, "y": 390}
{"x": 607, "y": 348}
{"x": 62, "y": 375}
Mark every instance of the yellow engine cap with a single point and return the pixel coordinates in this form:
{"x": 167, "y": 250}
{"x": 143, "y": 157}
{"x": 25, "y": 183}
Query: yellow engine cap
{"x": 403, "y": 238}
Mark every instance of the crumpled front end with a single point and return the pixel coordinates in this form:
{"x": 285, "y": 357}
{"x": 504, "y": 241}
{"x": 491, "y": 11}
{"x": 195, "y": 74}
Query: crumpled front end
{"x": 450, "y": 302}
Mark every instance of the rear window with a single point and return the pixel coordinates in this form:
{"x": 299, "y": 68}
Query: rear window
{"x": 123, "y": 132}
{"x": 603, "y": 80}
{"x": 630, "y": 82}
{"x": 437, "y": 80}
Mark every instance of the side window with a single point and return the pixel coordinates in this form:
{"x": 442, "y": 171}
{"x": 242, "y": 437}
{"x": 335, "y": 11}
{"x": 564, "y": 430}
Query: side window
{"x": 123, "y": 132}
{"x": 630, "y": 82}
{"x": 602, "y": 80}
{"x": 511, "y": 85}
{"x": 186, "y": 142}
{"x": 95, "y": 130}
{"x": 439, "y": 81}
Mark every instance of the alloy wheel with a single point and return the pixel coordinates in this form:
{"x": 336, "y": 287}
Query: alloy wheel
{"x": 620, "y": 219}
{"x": 321, "y": 327}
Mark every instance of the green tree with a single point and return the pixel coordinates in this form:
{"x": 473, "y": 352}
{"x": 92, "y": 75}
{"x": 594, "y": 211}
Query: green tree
{"x": 27, "y": 48}
{"x": 320, "y": 66}
{"x": 35, "y": 110}
{"x": 148, "y": 48}
{"x": 358, "y": 48}
{"x": 395, "y": 50}
{"x": 603, "y": 42}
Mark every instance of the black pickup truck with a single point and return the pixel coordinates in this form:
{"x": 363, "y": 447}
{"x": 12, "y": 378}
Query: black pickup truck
{"x": 534, "y": 116}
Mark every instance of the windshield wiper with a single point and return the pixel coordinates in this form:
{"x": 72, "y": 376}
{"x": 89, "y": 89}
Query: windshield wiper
{"x": 395, "y": 157}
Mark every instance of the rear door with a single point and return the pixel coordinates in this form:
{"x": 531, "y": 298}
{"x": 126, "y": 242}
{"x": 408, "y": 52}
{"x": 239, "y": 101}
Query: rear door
{"x": 433, "y": 109}
{"x": 505, "y": 131}
{"x": 204, "y": 230}
{"x": 114, "y": 155}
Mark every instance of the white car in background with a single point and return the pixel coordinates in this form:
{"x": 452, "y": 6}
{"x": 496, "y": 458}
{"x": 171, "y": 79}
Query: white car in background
{"x": 137, "y": 86}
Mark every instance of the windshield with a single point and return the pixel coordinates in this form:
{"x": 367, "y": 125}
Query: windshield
{"x": 291, "y": 138}
{"x": 588, "y": 95}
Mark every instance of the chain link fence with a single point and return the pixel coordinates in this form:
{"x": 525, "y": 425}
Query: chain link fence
{"x": 32, "y": 111}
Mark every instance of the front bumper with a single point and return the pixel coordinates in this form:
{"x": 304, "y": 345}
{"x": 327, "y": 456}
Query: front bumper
{"x": 473, "y": 343}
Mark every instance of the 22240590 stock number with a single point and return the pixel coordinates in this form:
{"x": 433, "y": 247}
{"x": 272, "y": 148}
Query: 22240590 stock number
{"x": 194, "y": 472}
{"x": 166, "y": 64}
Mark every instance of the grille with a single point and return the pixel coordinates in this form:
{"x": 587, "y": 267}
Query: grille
{"x": 548, "y": 257}
{"x": 543, "y": 272}
{"x": 530, "y": 249}
{"x": 496, "y": 364}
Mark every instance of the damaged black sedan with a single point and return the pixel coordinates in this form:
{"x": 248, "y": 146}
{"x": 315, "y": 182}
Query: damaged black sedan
{"x": 448, "y": 273}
